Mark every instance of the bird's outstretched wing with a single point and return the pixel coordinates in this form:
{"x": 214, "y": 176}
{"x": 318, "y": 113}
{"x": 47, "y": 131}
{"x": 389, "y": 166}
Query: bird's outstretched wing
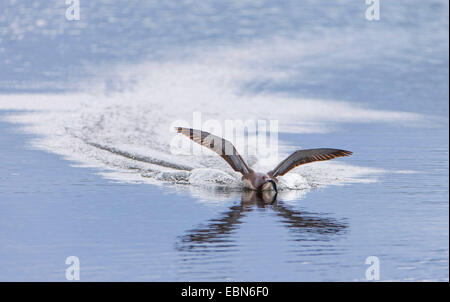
{"x": 219, "y": 145}
{"x": 301, "y": 157}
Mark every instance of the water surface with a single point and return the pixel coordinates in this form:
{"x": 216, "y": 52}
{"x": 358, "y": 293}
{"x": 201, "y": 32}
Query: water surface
{"x": 118, "y": 77}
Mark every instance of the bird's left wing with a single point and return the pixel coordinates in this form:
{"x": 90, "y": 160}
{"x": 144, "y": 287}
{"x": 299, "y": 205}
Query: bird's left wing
{"x": 219, "y": 145}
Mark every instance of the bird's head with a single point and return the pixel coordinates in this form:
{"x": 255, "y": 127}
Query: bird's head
{"x": 266, "y": 183}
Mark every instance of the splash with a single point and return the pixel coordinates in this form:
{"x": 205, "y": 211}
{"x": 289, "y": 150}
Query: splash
{"x": 127, "y": 134}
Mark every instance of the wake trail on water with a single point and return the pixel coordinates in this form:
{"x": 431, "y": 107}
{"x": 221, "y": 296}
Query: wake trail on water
{"x": 127, "y": 134}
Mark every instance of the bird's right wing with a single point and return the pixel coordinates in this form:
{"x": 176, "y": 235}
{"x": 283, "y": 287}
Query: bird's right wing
{"x": 301, "y": 157}
{"x": 219, "y": 145}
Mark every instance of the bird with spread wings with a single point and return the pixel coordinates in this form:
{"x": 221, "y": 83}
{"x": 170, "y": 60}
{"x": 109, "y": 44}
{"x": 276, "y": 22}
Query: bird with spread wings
{"x": 256, "y": 180}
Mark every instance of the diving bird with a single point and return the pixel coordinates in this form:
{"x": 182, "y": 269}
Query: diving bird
{"x": 256, "y": 180}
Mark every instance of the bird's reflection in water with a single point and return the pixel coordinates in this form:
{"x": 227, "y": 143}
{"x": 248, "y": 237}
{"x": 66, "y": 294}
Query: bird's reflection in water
{"x": 216, "y": 234}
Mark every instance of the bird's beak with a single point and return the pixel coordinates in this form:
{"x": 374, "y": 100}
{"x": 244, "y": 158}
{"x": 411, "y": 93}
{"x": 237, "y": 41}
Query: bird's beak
{"x": 274, "y": 185}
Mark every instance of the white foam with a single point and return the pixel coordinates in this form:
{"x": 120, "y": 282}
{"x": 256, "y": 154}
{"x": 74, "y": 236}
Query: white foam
{"x": 204, "y": 177}
{"x": 128, "y": 133}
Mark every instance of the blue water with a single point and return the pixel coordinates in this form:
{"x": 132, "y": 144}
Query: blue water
{"x": 139, "y": 232}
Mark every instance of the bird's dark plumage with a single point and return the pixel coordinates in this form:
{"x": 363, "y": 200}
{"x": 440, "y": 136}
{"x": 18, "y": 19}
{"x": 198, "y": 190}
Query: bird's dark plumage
{"x": 259, "y": 181}
{"x": 219, "y": 145}
{"x": 301, "y": 157}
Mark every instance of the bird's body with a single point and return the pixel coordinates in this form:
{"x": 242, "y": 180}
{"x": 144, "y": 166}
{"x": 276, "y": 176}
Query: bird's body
{"x": 259, "y": 181}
